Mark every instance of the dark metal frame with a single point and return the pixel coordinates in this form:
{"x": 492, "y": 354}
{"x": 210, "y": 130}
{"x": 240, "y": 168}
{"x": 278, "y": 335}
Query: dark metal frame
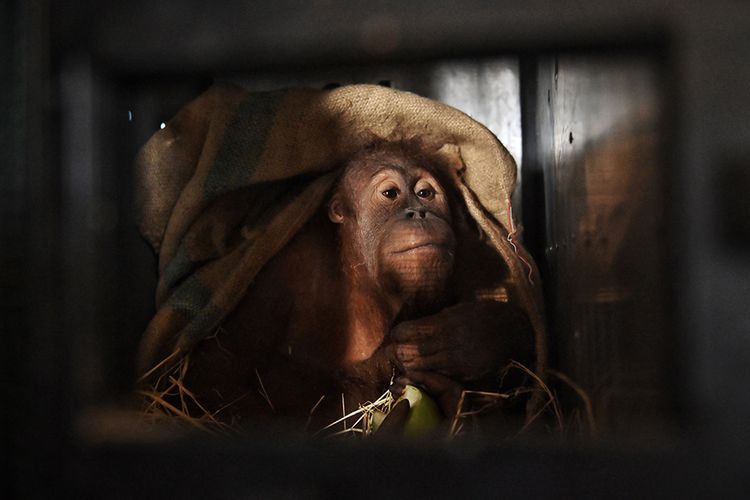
{"x": 43, "y": 306}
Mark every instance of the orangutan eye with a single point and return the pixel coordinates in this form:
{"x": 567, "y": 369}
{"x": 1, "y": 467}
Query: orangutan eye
{"x": 390, "y": 193}
{"x": 426, "y": 193}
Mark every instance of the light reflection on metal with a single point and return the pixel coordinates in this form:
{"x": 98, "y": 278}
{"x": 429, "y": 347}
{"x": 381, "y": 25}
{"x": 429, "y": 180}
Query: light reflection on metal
{"x": 605, "y": 235}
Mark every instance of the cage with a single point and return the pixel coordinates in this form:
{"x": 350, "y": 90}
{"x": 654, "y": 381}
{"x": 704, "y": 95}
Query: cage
{"x": 628, "y": 145}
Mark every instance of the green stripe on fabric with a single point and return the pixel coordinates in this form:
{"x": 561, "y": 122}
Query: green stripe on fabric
{"x": 179, "y": 266}
{"x": 201, "y": 326}
{"x": 243, "y": 144}
{"x": 190, "y": 298}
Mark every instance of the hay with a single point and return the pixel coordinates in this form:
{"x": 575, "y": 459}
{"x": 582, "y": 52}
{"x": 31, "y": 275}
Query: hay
{"x": 473, "y": 404}
{"x": 584, "y": 397}
{"x": 169, "y": 398}
{"x": 365, "y": 415}
{"x": 262, "y": 391}
{"x": 159, "y": 402}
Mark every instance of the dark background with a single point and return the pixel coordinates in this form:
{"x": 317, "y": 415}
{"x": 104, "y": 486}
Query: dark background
{"x": 76, "y": 279}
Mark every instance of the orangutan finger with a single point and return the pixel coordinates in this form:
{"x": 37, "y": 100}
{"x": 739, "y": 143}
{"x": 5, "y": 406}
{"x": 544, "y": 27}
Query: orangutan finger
{"x": 435, "y": 344}
{"x": 389, "y": 352}
{"x": 432, "y": 382}
{"x": 439, "y": 361}
{"x": 445, "y": 390}
{"x": 406, "y": 352}
{"x": 398, "y": 385}
{"x": 394, "y": 421}
{"x": 412, "y": 331}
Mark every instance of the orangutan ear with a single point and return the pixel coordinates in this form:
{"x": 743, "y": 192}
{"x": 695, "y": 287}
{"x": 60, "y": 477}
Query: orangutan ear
{"x": 336, "y": 210}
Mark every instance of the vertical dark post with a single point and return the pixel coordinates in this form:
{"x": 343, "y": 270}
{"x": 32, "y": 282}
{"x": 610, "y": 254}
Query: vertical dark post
{"x": 532, "y": 190}
{"x": 533, "y": 196}
{"x": 36, "y": 418}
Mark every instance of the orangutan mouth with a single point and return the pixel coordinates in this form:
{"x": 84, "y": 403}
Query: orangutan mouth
{"x": 424, "y": 247}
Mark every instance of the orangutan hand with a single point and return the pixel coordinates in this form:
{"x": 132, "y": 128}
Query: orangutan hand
{"x": 467, "y": 342}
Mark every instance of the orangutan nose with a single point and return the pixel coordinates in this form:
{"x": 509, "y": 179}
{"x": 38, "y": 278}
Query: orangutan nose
{"x": 419, "y": 213}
